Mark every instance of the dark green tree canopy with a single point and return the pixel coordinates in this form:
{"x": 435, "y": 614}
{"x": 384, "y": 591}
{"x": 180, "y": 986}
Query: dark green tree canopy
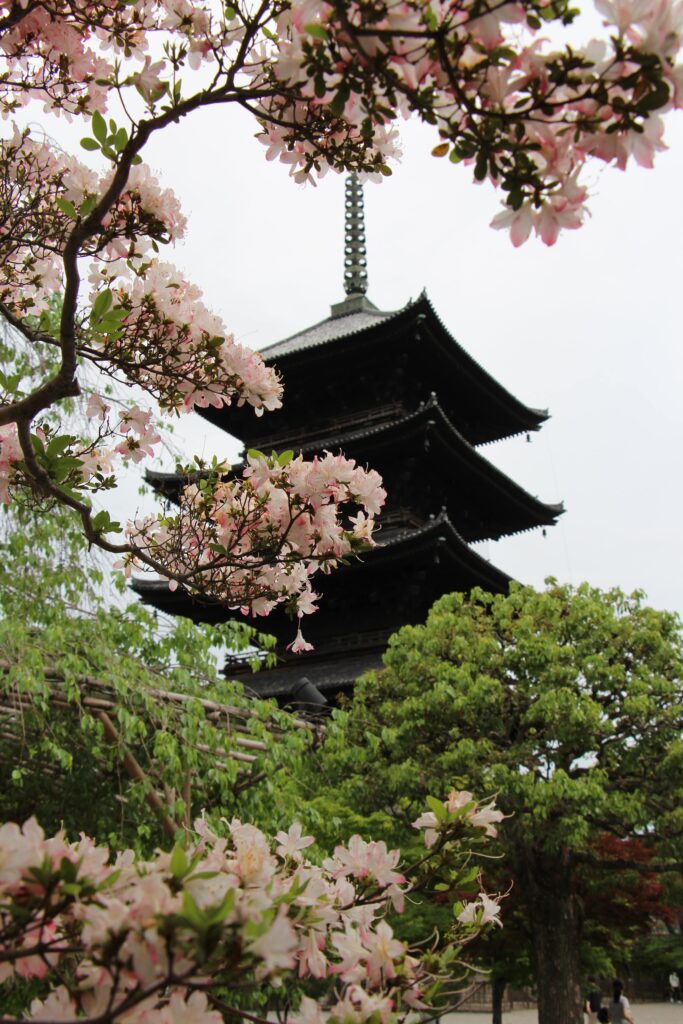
{"x": 568, "y": 704}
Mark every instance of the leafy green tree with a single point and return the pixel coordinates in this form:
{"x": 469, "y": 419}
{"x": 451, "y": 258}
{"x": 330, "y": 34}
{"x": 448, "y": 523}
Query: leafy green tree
{"x": 114, "y": 723}
{"x": 568, "y": 705}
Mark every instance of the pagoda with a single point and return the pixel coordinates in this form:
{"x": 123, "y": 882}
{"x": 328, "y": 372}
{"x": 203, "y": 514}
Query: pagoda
{"x": 394, "y": 391}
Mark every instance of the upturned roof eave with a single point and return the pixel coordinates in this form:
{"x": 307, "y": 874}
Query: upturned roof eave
{"x": 543, "y": 513}
{"x": 439, "y": 533}
{"x": 530, "y": 417}
{"x": 536, "y": 416}
{"x": 547, "y": 513}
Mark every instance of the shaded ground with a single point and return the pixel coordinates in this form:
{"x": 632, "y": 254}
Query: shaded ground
{"x": 644, "y": 1013}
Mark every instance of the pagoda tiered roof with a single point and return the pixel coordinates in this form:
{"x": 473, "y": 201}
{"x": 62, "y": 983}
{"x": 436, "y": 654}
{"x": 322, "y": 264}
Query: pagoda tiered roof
{"x": 394, "y": 391}
{"x": 414, "y": 565}
{"x": 494, "y": 504}
{"x": 404, "y": 355}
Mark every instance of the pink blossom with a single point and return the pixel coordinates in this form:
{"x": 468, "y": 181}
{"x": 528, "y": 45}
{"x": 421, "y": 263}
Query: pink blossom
{"x": 96, "y": 408}
{"x": 311, "y": 958}
{"x": 194, "y": 1010}
{"x": 430, "y": 823}
{"x": 292, "y": 842}
{"x": 351, "y": 950}
{"x": 485, "y": 910}
{"x": 277, "y": 947}
{"x": 383, "y": 949}
{"x": 309, "y": 1012}
{"x": 20, "y": 848}
{"x": 10, "y": 453}
{"x": 457, "y": 799}
{"x": 520, "y": 223}
{"x": 57, "y": 1006}
{"x": 254, "y": 861}
{"x": 362, "y": 860}
{"x": 149, "y": 80}
{"x": 486, "y": 817}
{"x": 299, "y": 644}
{"x": 358, "y": 1006}
{"x": 124, "y": 937}
{"x": 39, "y": 965}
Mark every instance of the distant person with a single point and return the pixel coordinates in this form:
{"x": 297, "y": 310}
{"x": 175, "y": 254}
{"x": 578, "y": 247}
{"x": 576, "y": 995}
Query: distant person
{"x": 675, "y": 987}
{"x": 593, "y": 1002}
{"x": 620, "y": 1008}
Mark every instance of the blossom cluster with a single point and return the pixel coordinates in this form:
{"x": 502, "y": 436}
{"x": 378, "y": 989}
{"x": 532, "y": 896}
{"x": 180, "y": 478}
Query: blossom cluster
{"x": 10, "y": 454}
{"x": 124, "y": 437}
{"x": 460, "y": 805}
{"x": 327, "y": 84}
{"x": 255, "y": 541}
{"x": 150, "y": 941}
{"x": 143, "y": 321}
{"x": 250, "y": 540}
{"x": 526, "y": 117}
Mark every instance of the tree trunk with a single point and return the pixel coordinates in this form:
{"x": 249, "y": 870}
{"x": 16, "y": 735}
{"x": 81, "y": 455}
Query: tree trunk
{"x": 555, "y": 919}
{"x": 497, "y": 992}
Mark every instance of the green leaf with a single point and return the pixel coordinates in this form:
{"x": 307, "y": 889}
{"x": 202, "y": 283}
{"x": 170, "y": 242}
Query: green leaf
{"x": 87, "y": 206}
{"x": 437, "y": 807}
{"x": 38, "y": 446}
{"x": 203, "y": 874}
{"x": 68, "y": 871}
{"x": 66, "y": 207}
{"x": 101, "y": 305}
{"x": 90, "y": 144}
{"x": 339, "y": 102}
{"x": 99, "y": 126}
{"x": 254, "y": 453}
{"x": 219, "y": 915}
{"x": 120, "y": 139}
{"x": 109, "y": 880}
{"x": 659, "y": 97}
{"x": 178, "y": 862}
{"x": 317, "y": 31}
{"x": 58, "y": 445}
{"x": 102, "y": 523}
{"x": 192, "y": 912}
{"x": 284, "y": 458}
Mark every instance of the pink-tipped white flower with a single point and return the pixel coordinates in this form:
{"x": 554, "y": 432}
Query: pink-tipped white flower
{"x": 292, "y": 842}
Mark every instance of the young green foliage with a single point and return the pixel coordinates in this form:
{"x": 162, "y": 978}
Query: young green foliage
{"x": 69, "y": 656}
{"x": 567, "y": 705}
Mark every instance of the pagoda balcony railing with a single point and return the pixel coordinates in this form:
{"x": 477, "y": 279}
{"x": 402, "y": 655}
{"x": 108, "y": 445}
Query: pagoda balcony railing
{"x": 395, "y": 521}
{"x": 240, "y": 664}
{"x": 337, "y": 425}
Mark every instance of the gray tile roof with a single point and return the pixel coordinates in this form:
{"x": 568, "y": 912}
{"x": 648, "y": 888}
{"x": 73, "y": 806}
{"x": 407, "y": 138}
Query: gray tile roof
{"x": 327, "y": 330}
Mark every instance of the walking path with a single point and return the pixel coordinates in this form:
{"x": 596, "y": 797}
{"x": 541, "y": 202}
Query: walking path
{"x": 644, "y": 1013}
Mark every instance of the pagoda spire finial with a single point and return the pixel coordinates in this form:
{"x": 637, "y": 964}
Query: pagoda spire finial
{"x": 355, "y": 253}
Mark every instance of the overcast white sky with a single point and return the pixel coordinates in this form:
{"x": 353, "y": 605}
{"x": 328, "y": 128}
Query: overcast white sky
{"x": 590, "y": 329}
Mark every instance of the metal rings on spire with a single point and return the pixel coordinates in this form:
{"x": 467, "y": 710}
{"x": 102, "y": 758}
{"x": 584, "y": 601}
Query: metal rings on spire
{"x": 355, "y": 253}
